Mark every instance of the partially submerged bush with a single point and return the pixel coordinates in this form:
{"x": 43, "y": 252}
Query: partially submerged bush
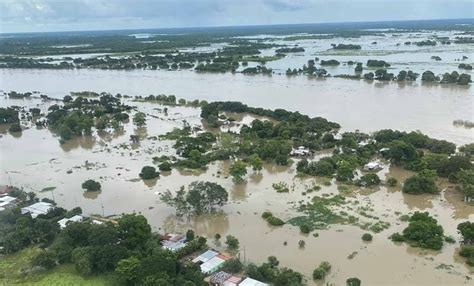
{"x": 91, "y": 186}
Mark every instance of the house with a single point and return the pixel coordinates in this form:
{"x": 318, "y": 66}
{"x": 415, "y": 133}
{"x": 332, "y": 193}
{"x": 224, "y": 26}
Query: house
{"x": 63, "y": 222}
{"x": 5, "y": 190}
{"x": 219, "y": 278}
{"x": 252, "y": 282}
{"x": 36, "y": 209}
{"x": 300, "y": 151}
{"x": 206, "y": 256}
{"x": 374, "y": 165}
{"x": 214, "y": 264}
{"x": 232, "y": 281}
{"x": 7, "y": 202}
{"x": 173, "y": 242}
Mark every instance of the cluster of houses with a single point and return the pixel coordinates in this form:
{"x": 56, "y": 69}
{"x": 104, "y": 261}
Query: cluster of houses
{"x": 36, "y": 209}
{"x": 210, "y": 262}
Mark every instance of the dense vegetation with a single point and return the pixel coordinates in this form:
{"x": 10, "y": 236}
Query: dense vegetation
{"x": 423, "y": 231}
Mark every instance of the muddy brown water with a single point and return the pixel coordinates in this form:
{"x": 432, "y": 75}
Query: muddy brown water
{"x": 353, "y": 104}
{"x": 35, "y": 160}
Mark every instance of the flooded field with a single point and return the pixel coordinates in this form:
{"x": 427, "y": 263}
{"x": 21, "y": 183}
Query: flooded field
{"x": 37, "y": 161}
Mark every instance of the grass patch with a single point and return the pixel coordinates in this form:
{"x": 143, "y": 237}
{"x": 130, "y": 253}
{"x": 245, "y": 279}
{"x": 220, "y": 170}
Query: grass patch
{"x": 318, "y": 215}
{"x": 15, "y": 270}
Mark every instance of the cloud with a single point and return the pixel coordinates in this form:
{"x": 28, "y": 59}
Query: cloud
{"x": 44, "y": 15}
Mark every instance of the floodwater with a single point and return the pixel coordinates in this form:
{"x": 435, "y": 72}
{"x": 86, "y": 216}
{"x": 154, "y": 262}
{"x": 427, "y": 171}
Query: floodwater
{"x": 36, "y": 160}
{"x": 361, "y": 105}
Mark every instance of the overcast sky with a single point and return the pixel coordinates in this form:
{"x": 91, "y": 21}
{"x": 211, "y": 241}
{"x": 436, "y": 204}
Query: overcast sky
{"x": 70, "y": 15}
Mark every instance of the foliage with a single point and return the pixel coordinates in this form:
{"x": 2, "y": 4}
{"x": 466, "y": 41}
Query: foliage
{"x": 322, "y": 270}
{"x": 139, "y": 119}
{"x": 353, "y": 282}
{"x": 238, "y": 170}
{"x": 8, "y": 115}
{"x": 368, "y": 180}
{"x": 15, "y": 128}
{"x": 392, "y": 182}
{"x": 367, "y": 237}
{"x": 91, "y": 186}
{"x": 149, "y": 172}
{"x": 45, "y": 259}
{"x": 422, "y": 231}
{"x": 419, "y": 184}
{"x": 201, "y": 197}
{"x": 268, "y": 216}
{"x": 232, "y": 242}
{"x": 165, "y": 166}
{"x": 466, "y": 229}
{"x": 281, "y": 187}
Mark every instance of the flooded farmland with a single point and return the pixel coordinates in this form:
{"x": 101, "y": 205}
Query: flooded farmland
{"x": 37, "y": 160}
{"x": 111, "y": 159}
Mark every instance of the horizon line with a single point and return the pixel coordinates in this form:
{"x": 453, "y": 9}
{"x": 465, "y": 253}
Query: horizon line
{"x": 234, "y": 26}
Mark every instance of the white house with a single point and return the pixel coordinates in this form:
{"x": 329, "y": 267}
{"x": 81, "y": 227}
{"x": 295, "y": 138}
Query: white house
{"x": 63, "y": 222}
{"x": 374, "y": 165}
{"x": 6, "y": 202}
{"x": 36, "y": 209}
{"x": 300, "y": 151}
{"x": 252, "y": 282}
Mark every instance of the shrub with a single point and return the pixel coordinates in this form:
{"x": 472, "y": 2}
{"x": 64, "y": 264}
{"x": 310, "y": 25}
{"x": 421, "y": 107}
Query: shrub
{"x": 165, "y": 166}
{"x": 304, "y": 228}
{"x": 232, "y": 242}
{"x": 367, "y": 237}
{"x": 353, "y": 282}
{"x": 91, "y": 186}
{"x": 369, "y": 180}
{"x": 392, "y": 182}
{"x": 418, "y": 184}
{"x": 45, "y": 259}
{"x": 397, "y": 237}
{"x": 322, "y": 270}
{"x": 275, "y": 221}
{"x": 149, "y": 172}
{"x": 301, "y": 243}
{"x": 266, "y": 215}
{"x": 15, "y": 128}
{"x": 233, "y": 265}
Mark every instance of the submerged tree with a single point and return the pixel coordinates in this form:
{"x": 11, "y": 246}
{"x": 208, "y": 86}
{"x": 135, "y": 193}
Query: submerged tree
{"x": 238, "y": 170}
{"x": 201, "y": 197}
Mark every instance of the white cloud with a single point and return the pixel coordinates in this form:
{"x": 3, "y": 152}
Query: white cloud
{"x": 34, "y": 15}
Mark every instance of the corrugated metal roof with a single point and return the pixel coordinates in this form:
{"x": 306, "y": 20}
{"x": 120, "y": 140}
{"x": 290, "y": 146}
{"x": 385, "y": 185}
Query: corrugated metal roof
{"x": 212, "y": 265}
{"x": 205, "y": 256}
{"x": 252, "y": 282}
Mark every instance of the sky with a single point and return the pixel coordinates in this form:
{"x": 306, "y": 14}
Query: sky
{"x": 78, "y": 15}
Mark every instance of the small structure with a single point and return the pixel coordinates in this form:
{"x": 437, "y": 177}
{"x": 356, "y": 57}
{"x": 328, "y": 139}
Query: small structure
{"x": 36, "y": 209}
{"x": 300, "y": 151}
{"x": 384, "y": 150}
{"x": 7, "y": 202}
{"x": 252, "y": 282}
{"x": 63, "y": 222}
{"x": 232, "y": 281}
{"x": 173, "y": 242}
{"x": 206, "y": 256}
{"x": 214, "y": 264}
{"x": 219, "y": 278}
{"x": 5, "y": 189}
{"x": 374, "y": 165}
